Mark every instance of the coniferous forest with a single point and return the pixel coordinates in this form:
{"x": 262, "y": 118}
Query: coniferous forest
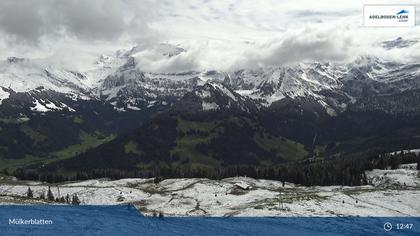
{"x": 348, "y": 170}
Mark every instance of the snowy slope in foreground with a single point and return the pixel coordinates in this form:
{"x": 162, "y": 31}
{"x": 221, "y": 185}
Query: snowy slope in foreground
{"x": 186, "y": 197}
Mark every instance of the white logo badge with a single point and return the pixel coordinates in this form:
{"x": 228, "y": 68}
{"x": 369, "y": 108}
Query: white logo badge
{"x": 389, "y": 15}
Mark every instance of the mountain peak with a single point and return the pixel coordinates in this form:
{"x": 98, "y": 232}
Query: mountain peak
{"x": 213, "y": 96}
{"x": 14, "y": 60}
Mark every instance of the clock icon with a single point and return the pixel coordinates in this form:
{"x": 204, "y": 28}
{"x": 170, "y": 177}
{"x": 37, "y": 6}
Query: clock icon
{"x": 387, "y": 226}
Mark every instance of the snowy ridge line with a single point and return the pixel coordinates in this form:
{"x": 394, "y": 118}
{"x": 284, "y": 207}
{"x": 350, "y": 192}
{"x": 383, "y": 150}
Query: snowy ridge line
{"x": 118, "y": 78}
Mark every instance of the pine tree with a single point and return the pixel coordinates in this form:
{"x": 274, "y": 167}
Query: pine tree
{"x": 42, "y": 196}
{"x": 75, "y": 200}
{"x": 29, "y": 193}
{"x": 157, "y": 180}
{"x": 50, "y": 195}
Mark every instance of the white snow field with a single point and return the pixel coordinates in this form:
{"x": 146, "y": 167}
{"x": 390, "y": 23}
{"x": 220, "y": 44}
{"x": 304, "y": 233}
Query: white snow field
{"x": 390, "y": 193}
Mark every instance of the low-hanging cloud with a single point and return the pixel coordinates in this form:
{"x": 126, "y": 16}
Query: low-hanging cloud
{"x": 73, "y": 32}
{"x": 29, "y": 20}
{"x": 21, "y": 20}
{"x": 308, "y": 45}
{"x": 221, "y": 35}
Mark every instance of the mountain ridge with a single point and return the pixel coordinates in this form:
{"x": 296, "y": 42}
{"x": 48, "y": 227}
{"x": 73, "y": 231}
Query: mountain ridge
{"x": 212, "y": 118}
{"x": 118, "y": 80}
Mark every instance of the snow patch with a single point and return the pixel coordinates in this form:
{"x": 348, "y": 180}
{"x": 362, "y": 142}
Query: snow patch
{"x": 415, "y": 151}
{"x": 52, "y": 106}
{"x": 69, "y": 108}
{"x": 398, "y": 178}
{"x": 203, "y": 94}
{"x": 39, "y": 107}
{"x": 207, "y": 106}
{"x": 3, "y": 95}
{"x": 131, "y": 107}
{"x": 224, "y": 90}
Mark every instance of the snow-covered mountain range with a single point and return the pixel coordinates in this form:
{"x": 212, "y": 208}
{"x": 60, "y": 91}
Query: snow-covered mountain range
{"x": 117, "y": 114}
{"x": 118, "y": 80}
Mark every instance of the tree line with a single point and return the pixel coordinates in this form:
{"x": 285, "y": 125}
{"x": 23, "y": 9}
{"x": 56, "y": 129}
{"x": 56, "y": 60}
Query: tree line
{"x": 348, "y": 170}
{"x": 74, "y": 199}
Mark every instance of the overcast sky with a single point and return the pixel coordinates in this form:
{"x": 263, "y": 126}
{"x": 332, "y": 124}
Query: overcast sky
{"x": 217, "y": 34}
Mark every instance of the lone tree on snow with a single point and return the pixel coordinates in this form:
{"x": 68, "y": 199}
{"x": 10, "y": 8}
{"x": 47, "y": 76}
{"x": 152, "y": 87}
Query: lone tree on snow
{"x": 62, "y": 199}
{"x": 75, "y": 200}
{"x": 50, "y": 195}
{"x": 29, "y": 193}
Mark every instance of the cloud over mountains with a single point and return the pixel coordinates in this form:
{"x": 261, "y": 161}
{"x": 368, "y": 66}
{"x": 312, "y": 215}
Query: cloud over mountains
{"x": 216, "y": 34}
